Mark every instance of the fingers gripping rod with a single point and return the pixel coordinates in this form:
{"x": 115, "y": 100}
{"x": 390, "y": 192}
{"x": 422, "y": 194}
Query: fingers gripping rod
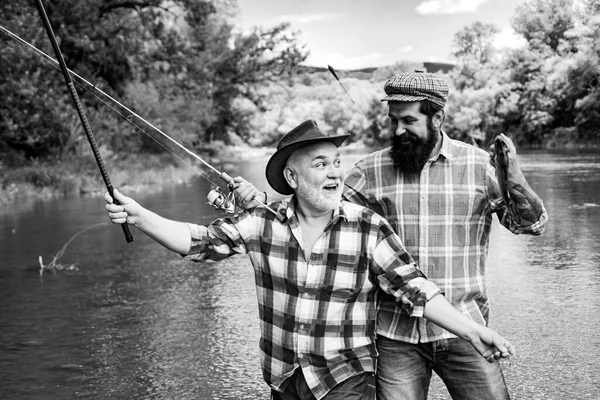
{"x": 219, "y": 200}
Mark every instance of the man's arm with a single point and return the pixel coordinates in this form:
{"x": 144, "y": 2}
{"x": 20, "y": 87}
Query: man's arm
{"x": 173, "y": 235}
{"x": 527, "y": 213}
{"x": 486, "y": 341}
{"x": 355, "y": 186}
{"x": 399, "y": 276}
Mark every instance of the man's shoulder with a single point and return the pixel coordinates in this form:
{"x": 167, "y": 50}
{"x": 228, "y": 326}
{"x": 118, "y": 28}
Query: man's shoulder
{"x": 462, "y": 150}
{"x": 356, "y": 212}
{"x": 363, "y": 220}
{"x": 375, "y": 158}
{"x": 275, "y": 212}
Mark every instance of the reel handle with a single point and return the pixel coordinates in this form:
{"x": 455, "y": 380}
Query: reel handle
{"x": 226, "y": 178}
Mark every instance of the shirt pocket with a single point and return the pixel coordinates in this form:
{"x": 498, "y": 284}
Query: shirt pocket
{"x": 346, "y": 280}
{"x": 465, "y": 214}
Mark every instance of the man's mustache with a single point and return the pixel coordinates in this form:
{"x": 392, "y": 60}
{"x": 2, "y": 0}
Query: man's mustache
{"x": 402, "y": 141}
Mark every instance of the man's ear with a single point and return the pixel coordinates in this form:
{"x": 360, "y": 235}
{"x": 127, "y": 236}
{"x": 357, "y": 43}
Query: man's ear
{"x": 438, "y": 118}
{"x": 290, "y": 176}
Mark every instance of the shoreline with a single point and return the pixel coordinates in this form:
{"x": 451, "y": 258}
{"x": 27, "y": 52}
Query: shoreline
{"x": 147, "y": 173}
{"x": 26, "y": 185}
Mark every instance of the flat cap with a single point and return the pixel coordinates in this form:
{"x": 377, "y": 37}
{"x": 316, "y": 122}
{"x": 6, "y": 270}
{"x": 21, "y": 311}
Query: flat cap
{"x": 416, "y": 86}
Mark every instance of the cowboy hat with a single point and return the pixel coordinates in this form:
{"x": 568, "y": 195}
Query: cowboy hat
{"x": 304, "y": 134}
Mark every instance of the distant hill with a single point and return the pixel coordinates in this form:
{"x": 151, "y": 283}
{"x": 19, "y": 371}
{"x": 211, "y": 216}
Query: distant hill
{"x": 365, "y": 73}
{"x": 438, "y": 67}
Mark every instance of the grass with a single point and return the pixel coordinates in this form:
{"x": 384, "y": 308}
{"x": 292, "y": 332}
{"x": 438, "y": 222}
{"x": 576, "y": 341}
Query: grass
{"x": 82, "y": 177}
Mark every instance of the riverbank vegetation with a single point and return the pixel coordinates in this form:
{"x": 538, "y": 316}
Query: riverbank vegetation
{"x": 183, "y": 66}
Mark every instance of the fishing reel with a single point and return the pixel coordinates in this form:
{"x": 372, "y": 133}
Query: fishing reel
{"x": 221, "y": 201}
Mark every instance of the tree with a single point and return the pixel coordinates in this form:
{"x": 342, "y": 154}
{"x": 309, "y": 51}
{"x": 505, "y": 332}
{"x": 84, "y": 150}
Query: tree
{"x": 478, "y": 82}
{"x": 557, "y": 74}
{"x": 475, "y": 42}
{"x": 181, "y": 55}
{"x": 543, "y": 23}
{"x": 255, "y": 58}
{"x": 378, "y": 133}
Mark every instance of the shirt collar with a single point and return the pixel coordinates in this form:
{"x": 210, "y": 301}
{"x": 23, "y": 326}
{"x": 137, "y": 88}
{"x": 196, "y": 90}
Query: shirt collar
{"x": 446, "y": 149}
{"x": 287, "y": 208}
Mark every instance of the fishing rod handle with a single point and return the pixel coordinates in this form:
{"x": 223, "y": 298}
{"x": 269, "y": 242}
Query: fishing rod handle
{"x": 125, "y": 225}
{"x": 226, "y": 177}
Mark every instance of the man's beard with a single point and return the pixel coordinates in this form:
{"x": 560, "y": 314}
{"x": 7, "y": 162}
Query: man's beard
{"x": 411, "y": 158}
{"x": 317, "y": 199}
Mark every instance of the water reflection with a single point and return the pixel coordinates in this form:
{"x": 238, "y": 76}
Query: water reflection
{"x": 136, "y": 321}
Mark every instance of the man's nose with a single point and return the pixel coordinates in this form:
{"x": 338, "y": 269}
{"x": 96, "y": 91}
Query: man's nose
{"x": 334, "y": 171}
{"x": 400, "y": 130}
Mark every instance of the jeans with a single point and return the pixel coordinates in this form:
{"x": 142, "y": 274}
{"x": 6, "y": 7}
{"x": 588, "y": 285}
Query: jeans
{"x": 404, "y": 371}
{"x": 358, "y": 387}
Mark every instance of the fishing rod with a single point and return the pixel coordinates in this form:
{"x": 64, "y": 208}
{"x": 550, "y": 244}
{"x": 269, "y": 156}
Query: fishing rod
{"x": 80, "y": 112}
{"x": 216, "y": 198}
{"x": 330, "y": 68}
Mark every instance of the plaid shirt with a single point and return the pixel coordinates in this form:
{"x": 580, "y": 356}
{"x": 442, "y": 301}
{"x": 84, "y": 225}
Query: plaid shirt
{"x": 443, "y": 216}
{"x": 319, "y": 313}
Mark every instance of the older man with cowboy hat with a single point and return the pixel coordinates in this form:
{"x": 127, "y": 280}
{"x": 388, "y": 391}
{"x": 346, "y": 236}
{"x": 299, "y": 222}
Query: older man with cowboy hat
{"x": 439, "y": 195}
{"x": 317, "y": 261}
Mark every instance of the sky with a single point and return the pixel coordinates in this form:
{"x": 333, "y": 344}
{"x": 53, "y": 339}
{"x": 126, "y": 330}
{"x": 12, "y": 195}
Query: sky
{"x": 349, "y": 34}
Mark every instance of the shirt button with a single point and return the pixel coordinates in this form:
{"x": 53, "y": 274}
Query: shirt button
{"x": 423, "y": 196}
{"x": 301, "y": 327}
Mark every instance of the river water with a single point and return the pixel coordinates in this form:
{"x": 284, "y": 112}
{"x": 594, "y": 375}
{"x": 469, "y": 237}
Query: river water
{"x": 134, "y": 321}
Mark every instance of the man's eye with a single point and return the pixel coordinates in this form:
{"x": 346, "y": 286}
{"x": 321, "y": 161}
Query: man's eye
{"x": 337, "y": 163}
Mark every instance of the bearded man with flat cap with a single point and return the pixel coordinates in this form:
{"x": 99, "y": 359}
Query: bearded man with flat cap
{"x": 317, "y": 261}
{"x": 439, "y": 195}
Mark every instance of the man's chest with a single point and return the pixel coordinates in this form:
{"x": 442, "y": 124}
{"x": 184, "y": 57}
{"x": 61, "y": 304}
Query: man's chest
{"x": 335, "y": 267}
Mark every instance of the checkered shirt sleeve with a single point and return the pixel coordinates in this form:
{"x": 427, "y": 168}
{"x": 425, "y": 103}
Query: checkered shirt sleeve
{"x": 319, "y": 313}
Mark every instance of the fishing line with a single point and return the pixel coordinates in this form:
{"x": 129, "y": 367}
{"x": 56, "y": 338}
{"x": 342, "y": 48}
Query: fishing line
{"x": 216, "y": 197}
{"x": 129, "y": 120}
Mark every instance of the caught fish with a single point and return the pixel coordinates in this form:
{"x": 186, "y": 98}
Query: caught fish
{"x": 501, "y": 160}
{"x": 524, "y": 208}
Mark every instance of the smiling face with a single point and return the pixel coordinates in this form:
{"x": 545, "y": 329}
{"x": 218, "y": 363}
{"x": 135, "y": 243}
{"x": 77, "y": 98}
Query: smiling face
{"x": 316, "y": 175}
{"x": 415, "y": 135}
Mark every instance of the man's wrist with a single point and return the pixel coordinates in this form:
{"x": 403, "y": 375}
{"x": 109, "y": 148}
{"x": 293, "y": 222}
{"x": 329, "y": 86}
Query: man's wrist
{"x": 472, "y": 333}
{"x": 516, "y": 178}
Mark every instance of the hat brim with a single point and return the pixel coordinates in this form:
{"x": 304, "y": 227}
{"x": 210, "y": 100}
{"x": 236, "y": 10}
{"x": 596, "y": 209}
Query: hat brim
{"x": 277, "y": 162}
{"x": 403, "y": 97}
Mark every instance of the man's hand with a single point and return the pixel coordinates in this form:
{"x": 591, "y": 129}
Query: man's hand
{"x": 246, "y": 195}
{"x": 486, "y": 341}
{"x": 491, "y": 345}
{"x": 129, "y": 211}
{"x": 514, "y": 171}
{"x": 173, "y": 235}
{"x": 525, "y": 204}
